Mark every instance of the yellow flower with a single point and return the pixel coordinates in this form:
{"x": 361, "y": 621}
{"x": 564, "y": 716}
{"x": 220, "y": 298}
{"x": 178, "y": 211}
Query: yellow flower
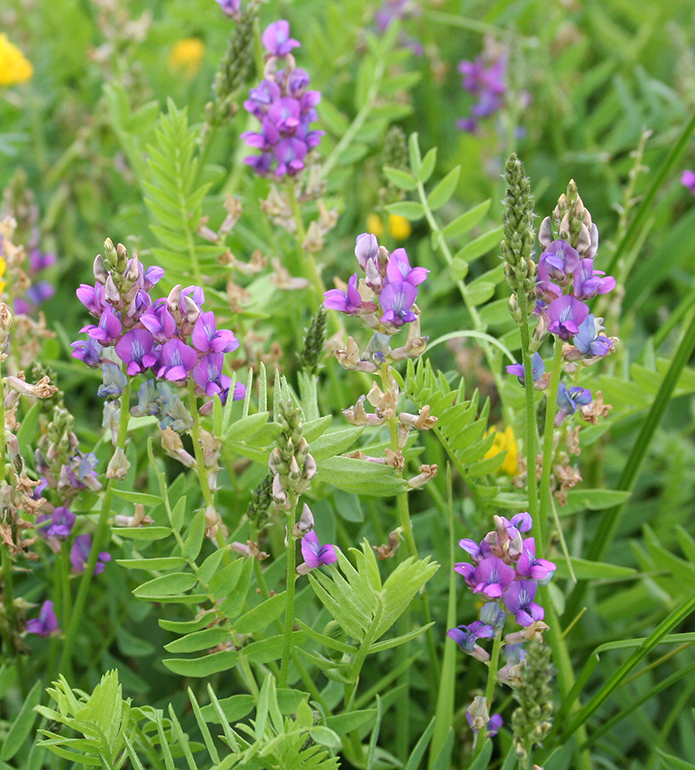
{"x": 399, "y": 227}
{"x": 374, "y": 225}
{"x": 14, "y": 66}
{"x": 187, "y": 55}
{"x": 505, "y": 441}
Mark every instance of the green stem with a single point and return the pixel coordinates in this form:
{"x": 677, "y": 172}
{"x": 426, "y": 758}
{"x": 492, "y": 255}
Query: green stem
{"x": 550, "y": 410}
{"x": 308, "y": 262}
{"x": 99, "y": 537}
{"x": 289, "y": 607}
{"x": 201, "y": 469}
{"x": 491, "y": 682}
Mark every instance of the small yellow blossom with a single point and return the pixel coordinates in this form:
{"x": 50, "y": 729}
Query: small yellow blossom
{"x": 505, "y": 441}
{"x": 399, "y": 227}
{"x": 3, "y": 266}
{"x": 374, "y": 225}
{"x": 187, "y": 55}
{"x": 14, "y": 66}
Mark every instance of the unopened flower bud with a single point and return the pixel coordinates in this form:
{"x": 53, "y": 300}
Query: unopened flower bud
{"x": 6, "y": 322}
{"x": 118, "y": 465}
{"x": 305, "y": 523}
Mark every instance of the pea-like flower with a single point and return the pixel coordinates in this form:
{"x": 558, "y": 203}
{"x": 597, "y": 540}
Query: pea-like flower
{"x": 396, "y": 300}
{"x": 315, "y": 555}
{"x": 207, "y": 338}
{"x": 529, "y": 566}
{"x": 558, "y": 262}
{"x": 276, "y": 39}
{"x": 176, "y": 360}
{"x": 492, "y": 576}
{"x": 589, "y": 340}
{"x": 565, "y": 316}
{"x": 61, "y": 523}
{"x": 518, "y": 599}
{"x": 537, "y": 369}
{"x": 136, "y": 350}
{"x": 467, "y": 636}
{"x": 398, "y": 269}
{"x": 349, "y": 302}
{"x": 79, "y": 555}
{"x": 47, "y": 622}
{"x": 589, "y": 282}
{"x": 569, "y": 399}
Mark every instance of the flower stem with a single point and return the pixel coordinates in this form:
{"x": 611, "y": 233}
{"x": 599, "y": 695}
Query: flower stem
{"x": 311, "y": 271}
{"x": 550, "y": 410}
{"x": 99, "y": 537}
{"x": 289, "y": 607}
{"x": 201, "y": 469}
{"x": 491, "y": 682}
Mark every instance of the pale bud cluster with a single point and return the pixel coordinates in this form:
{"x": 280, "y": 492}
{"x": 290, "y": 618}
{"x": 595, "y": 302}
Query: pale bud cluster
{"x": 290, "y": 462}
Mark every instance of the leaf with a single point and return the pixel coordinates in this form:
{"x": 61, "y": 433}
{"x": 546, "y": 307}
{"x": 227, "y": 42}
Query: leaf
{"x": 674, "y": 763}
{"x": 199, "y": 667}
{"x": 414, "y": 156}
{"x": 398, "y": 640}
{"x": 428, "y": 164}
{"x": 23, "y": 722}
{"x": 165, "y": 562}
{"x": 225, "y": 581}
{"x": 187, "y": 626}
{"x": 234, "y": 709}
{"x": 420, "y": 747}
{"x": 458, "y": 269}
{"x": 483, "y": 759}
{"x": 326, "y": 737}
{"x": 481, "y": 245}
{"x": 480, "y": 292}
{"x": 331, "y": 444}
{"x": 194, "y": 540}
{"x": 246, "y": 427}
{"x": 467, "y": 221}
{"x": 411, "y": 210}
{"x": 261, "y": 616}
{"x": 591, "y": 570}
{"x": 444, "y": 190}
{"x": 270, "y": 649}
{"x": 400, "y": 178}
{"x": 347, "y": 723}
{"x": 166, "y": 585}
{"x": 200, "y": 640}
{"x": 143, "y": 533}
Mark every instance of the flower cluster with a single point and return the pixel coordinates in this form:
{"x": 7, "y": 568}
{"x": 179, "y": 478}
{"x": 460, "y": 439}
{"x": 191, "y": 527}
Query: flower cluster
{"x": 391, "y": 284}
{"x": 284, "y": 108}
{"x": 506, "y": 574}
{"x": 47, "y": 622}
{"x": 172, "y": 338}
{"x": 486, "y": 79}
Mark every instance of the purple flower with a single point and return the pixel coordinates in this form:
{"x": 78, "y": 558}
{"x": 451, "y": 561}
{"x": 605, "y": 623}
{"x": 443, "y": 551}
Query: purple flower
{"x": 396, "y": 300}
{"x": 565, "y": 316}
{"x": 492, "y": 727}
{"x": 530, "y": 567}
{"x": 492, "y": 615}
{"x": 492, "y": 576}
{"x": 518, "y": 599}
{"x": 211, "y": 382}
{"x": 159, "y": 321}
{"x": 367, "y": 250}
{"x": 113, "y": 380}
{"x": 92, "y": 297}
{"x": 208, "y": 339}
{"x": 176, "y": 360}
{"x": 688, "y": 180}
{"x": 39, "y": 260}
{"x": 485, "y": 78}
{"x": 276, "y": 39}
{"x": 314, "y": 554}
{"x": 230, "y": 8}
{"x": 88, "y": 352}
{"x": 568, "y": 400}
{"x": 79, "y": 555}
{"x": 47, "y": 622}
{"x": 346, "y": 303}
{"x": 588, "y": 339}
{"x": 558, "y": 262}
{"x": 589, "y": 282}
{"x": 537, "y": 368}
{"x": 136, "y": 350}
{"x": 41, "y": 291}
{"x": 467, "y": 636}
{"x": 195, "y": 293}
{"x": 61, "y": 524}
{"x": 108, "y": 330}
{"x": 474, "y": 549}
{"x": 398, "y": 269}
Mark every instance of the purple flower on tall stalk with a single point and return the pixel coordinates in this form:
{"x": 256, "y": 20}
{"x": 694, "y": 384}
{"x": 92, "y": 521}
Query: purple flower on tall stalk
{"x": 588, "y": 339}
{"x": 477, "y": 551}
{"x": 518, "y": 599}
{"x": 136, "y": 350}
{"x": 108, "y": 330}
{"x": 92, "y": 297}
{"x": 589, "y": 282}
{"x": 211, "y": 382}
{"x": 492, "y": 576}
{"x": 276, "y": 39}
{"x": 529, "y": 566}
{"x": 349, "y": 302}
{"x": 398, "y": 269}
{"x": 467, "y": 636}
{"x": 159, "y": 321}
{"x": 88, "y": 352}
{"x": 176, "y": 360}
{"x": 316, "y": 555}
{"x": 47, "y": 622}
{"x": 565, "y": 315}
{"x": 569, "y": 399}
{"x": 79, "y": 555}
{"x": 396, "y": 300}
{"x": 688, "y": 180}
{"x": 558, "y": 262}
{"x": 61, "y": 523}
{"x": 207, "y": 338}
{"x": 537, "y": 368}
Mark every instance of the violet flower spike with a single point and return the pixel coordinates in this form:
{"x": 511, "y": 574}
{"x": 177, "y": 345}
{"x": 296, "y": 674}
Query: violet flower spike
{"x": 316, "y": 555}
{"x": 79, "y": 555}
{"x": 396, "y": 300}
{"x": 518, "y": 599}
{"x": 349, "y": 302}
{"x": 136, "y": 350}
{"x": 276, "y": 39}
{"x": 537, "y": 368}
{"x": 47, "y": 622}
{"x": 565, "y": 315}
{"x": 529, "y": 566}
{"x": 398, "y": 269}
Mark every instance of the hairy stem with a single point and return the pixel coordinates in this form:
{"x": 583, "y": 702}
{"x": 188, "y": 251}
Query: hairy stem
{"x": 550, "y": 410}
{"x": 289, "y": 607}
